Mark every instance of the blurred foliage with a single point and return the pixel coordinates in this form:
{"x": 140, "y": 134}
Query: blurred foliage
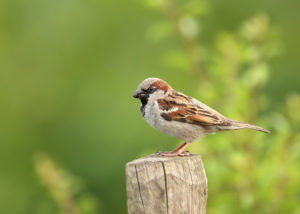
{"x": 247, "y": 172}
{"x": 68, "y": 123}
{"x": 64, "y": 186}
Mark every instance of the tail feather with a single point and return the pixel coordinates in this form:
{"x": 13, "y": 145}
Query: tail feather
{"x": 240, "y": 125}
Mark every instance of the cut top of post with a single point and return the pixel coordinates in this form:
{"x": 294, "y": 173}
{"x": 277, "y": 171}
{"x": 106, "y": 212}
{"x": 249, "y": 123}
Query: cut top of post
{"x": 158, "y": 184}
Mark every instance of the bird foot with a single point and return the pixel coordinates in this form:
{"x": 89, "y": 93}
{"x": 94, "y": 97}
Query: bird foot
{"x": 174, "y": 153}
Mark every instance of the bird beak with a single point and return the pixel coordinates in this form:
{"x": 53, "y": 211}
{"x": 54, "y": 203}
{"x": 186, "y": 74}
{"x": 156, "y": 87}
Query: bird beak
{"x": 138, "y": 94}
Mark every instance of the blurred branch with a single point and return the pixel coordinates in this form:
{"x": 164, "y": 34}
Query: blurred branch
{"x": 51, "y": 176}
{"x": 186, "y": 30}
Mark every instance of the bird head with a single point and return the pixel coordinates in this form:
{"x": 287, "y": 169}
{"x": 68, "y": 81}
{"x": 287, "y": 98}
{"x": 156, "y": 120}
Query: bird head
{"x": 151, "y": 87}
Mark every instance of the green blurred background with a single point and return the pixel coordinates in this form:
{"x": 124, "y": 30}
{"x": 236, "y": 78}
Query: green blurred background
{"x": 69, "y": 124}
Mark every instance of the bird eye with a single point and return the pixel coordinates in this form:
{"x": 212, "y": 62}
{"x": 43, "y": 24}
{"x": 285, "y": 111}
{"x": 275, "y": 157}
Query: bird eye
{"x": 151, "y": 89}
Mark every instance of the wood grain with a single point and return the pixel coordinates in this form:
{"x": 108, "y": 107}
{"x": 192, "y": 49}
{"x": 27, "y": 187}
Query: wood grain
{"x": 166, "y": 185}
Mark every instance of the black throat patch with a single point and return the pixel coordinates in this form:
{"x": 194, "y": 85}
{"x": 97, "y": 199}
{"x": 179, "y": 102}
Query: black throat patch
{"x": 145, "y": 97}
{"x": 144, "y": 101}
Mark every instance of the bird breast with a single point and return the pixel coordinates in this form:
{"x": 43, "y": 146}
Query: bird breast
{"x": 180, "y": 130}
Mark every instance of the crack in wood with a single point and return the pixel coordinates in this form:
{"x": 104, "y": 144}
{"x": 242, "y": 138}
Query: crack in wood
{"x": 192, "y": 183}
{"x": 138, "y": 182}
{"x": 166, "y": 186}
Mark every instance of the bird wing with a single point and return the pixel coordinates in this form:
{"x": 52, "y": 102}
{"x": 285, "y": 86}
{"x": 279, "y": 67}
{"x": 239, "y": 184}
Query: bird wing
{"x": 179, "y": 107}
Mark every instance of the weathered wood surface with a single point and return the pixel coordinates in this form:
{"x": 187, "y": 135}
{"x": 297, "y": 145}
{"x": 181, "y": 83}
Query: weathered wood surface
{"x": 166, "y": 185}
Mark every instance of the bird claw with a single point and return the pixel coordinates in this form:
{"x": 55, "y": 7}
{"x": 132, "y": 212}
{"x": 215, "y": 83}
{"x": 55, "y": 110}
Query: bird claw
{"x": 174, "y": 154}
{"x": 184, "y": 153}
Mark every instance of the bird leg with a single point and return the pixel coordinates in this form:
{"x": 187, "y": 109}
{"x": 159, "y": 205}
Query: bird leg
{"x": 177, "y": 152}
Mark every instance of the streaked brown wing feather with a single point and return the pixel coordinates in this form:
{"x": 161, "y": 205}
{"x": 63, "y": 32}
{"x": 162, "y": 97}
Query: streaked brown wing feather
{"x": 179, "y": 107}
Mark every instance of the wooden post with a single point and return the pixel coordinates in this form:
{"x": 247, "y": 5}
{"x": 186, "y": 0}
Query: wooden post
{"x": 166, "y": 185}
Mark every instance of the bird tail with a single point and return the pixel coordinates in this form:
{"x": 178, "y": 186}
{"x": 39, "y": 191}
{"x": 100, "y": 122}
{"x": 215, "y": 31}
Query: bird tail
{"x": 240, "y": 125}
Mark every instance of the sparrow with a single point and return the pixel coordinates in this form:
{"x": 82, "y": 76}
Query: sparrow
{"x": 181, "y": 116}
